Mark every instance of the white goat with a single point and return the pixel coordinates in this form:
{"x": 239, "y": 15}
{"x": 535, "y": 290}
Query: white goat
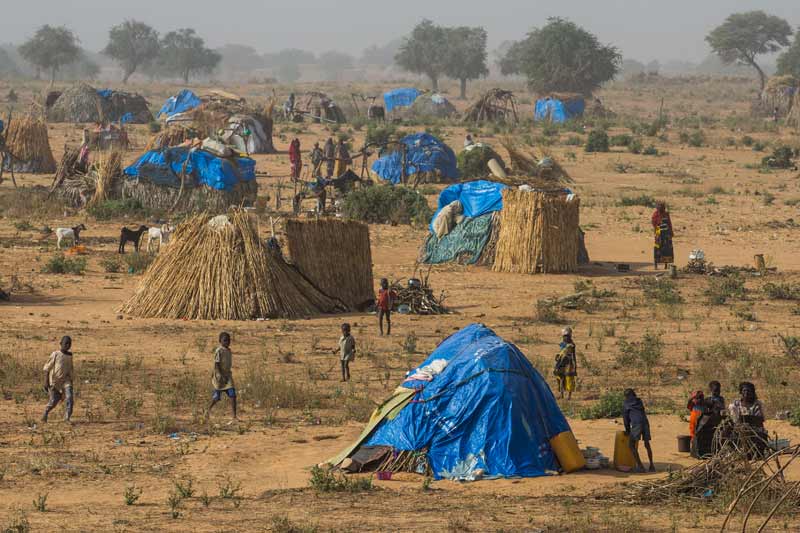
{"x": 159, "y": 234}
{"x": 73, "y": 234}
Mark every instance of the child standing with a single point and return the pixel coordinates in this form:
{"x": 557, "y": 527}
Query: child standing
{"x": 222, "y": 378}
{"x": 58, "y": 379}
{"x": 347, "y": 350}
{"x": 637, "y": 427}
{"x": 386, "y": 297}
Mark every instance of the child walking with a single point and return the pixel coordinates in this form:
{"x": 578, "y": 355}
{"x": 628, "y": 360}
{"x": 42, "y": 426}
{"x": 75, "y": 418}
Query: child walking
{"x": 386, "y": 297}
{"x": 637, "y": 427}
{"x": 347, "y": 350}
{"x": 222, "y": 377}
{"x": 58, "y": 379}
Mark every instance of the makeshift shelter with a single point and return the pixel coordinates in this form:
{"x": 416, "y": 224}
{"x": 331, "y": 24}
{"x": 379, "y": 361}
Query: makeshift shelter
{"x": 185, "y": 178}
{"x": 184, "y": 101}
{"x": 473, "y": 161}
{"x": 83, "y": 103}
{"x": 335, "y": 256}
{"x": 27, "y": 146}
{"x": 80, "y": 183}
{"x": 559, "y": 108}
{"x": 218, "y": 268}
{"x": 420, "y": 155}
{"x": 432, "y": 106}
{"x": 495, "y": 105}
{"x": 779, "y": 93}
{"x": 476, "y": 408}
{"x": 400, "y": 98}
{"x": 247, "y": 135}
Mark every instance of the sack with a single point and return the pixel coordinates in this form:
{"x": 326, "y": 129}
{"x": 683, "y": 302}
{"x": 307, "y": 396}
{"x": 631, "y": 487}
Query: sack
{"x": 216, "y": 147}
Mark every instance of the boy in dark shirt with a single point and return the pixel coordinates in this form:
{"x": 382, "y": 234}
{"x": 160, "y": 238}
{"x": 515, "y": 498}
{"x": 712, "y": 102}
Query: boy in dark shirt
{"x": 637, "y": 427}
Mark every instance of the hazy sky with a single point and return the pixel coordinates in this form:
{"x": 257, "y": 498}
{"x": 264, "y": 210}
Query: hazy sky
{"x": 643, "y": 29}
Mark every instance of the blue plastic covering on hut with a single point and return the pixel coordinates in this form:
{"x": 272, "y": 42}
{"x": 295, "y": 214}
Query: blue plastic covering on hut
{"x": 424, "y": 153}
{"x": 556, "y": 111}
{"x": 477, "y": 198}
{"x": 183, "y": 101}
{"x": 105, "y": 93}
{"x": 164, "y": 167}
{"x": 127, "y": 117}
{"x": 400, "y": 98}
{"x": 488, "y": 409}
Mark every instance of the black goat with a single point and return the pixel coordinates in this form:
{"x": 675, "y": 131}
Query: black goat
{"x": 128, "y": 235}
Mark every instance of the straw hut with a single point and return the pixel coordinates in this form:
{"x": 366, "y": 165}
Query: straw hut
{"x": 432, "y": 106}
{"x": 539, "y": 232}
{"x": 83, "y": 103}
{"x": 779, "y": 93}
{"x": 335, "y": 256}
{"x": 217, "y": 268}
{"x": 28, "y": 147}
{"x": 495, "y": 105}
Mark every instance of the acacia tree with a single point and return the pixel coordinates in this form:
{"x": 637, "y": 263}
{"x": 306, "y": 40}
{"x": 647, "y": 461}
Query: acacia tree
{"x": 132, "y": 44}
{"x": 789, "y": 60}
{"x": 185, "y": 52}
{"x": 333, "y": 63}
{"x": 466, "y": 55}
{"x": 744, "y": 36}
{"x": 562, "y": 56}
{"x": 50, "y": 48}
{"x": 423, "y": 52}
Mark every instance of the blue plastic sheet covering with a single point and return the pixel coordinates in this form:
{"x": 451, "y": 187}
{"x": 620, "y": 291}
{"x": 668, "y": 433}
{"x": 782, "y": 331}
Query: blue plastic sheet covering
{"x": 127, "y": 117}
{"x": 489, "y": 409}
{"x": 424, "y": 153}
{"x": 164, "y": 167}
{"x": 183, "y": 101}
{"x": 477, "y": 198}
{"x": 463, "y": 244}
{"x": 105, "y": 93}
{"x": 400, "y": 98}
{"x": 557, "y": 111}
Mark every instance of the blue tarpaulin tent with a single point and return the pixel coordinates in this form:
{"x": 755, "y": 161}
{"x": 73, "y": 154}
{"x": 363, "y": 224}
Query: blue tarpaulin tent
{"x": 488, "y": 409}
{"x": 400, "y": 98}
{"x": 424, "y": 153}
{"x": 477, "y": 198}
{"x": 181, "y": 102}
{"x": 558, "y": 111}
{"x": 164, "y": 167}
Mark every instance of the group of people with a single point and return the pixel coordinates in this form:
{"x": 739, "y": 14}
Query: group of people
{"x": 333, "y": 155}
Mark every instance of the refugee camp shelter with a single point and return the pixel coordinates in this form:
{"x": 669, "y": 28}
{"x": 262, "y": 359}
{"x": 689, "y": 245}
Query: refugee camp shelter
{"x": 83, "y": 103}
{"x": 398, "y": 98}
{"x": 475, "y": 408}
{"x": 25, "y": 146}
{"x": 420, "y": 155}
{"x": 432, "y": 106}
{"x": 779, "y": 93}
{"x": 182, "y": 102}
{"x": 247, "y": 135}
{"x": 559, "y": 108}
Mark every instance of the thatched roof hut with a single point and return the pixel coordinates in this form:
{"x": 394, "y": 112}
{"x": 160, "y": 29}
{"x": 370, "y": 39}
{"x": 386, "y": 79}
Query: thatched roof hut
{"x": 779, "y": 93}
{"x": 217, "y": 268}
{"x": 432, "y": 106}
{"x": 27, "y": 141}
{"x": 83, "y": 103}
{"x": 335, "y": 256}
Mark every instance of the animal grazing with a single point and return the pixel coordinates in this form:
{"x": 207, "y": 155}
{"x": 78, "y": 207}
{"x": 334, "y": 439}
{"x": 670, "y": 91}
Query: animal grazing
{"x": 128, "y": 235}
{"x": 69, "y": 233}
{"x": 159, "y": 234}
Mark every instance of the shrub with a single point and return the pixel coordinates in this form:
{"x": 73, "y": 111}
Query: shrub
{"x": 621, "y": 140}
{"x": 547, "y": 312}
{"x": 383, "y": 204}
{"x": 325, "y": 480}
{"x": 720, "y": 290}
{"x": 59, "y": 264}
{"x": 662, "y": 290}
{"x": 473, "y": 163}
{"x": 646, "y": 352}
{"x": 759, "y": 146}
{"x": 697, "y": 139}
{"x": 383, "y": 133}
{"x": 643, "y": 200}
{"x": 608, "y": 406}
{"x": 137, "y": 262}
{"x": 747, "y": 140}
{"x": 573, "y": 140}
{"x": 782, "y": 291}
{"x": 132, "y": 494}
{"x": 635, "y": 146}
{"x": 650, "y": 150}
{"x": 111, "y": 209}
{"x": 111, "y": 264}
{"x": 597, "y": 141}
{"x": 781, "y": 158}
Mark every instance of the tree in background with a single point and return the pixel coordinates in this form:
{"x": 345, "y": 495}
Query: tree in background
{"x": 132, "y": 44}
{"x": 8, "y": 68}
{"x": 789, "y": 60}
{"x": 562, "y": 56}
{"x": 744, "y": 36}
{"x": 423, "y": 52}
{"x": 466, "y": 55}
{"x": 185, "y": 53}
{"x": 286, "y": 63}
{"x": 382, "y": 56}
{"x": 238, "y": 59}
{"x": 50, "y": 49}
{"x": 333, "y": 63}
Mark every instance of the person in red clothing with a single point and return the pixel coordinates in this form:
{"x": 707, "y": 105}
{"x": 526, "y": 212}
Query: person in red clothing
{"x": 695, "y": 406}
{"x": 295, "y": 158}
{"x": 662, "y": 226}
{"x": 386, "y": 297}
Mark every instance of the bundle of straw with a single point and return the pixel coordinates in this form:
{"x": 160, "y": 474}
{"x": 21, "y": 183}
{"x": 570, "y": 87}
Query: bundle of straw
{"x": 528, "y": 165}
{"x": 106, "y": 170}
{"x": 538, "y": 233}
{"x": 223, "y": 271}
{"x": 29, "y": 145}
{"x": 171, "y": 136}
{"x": 335, "y": 256}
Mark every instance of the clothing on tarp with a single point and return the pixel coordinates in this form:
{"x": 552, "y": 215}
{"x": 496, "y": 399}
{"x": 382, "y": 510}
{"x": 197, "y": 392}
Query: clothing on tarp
{"x": 447, "y": 218}
{"x": 180, "y": 103}
{"x": 424, "y": 153}
{"x": 164, "y": 167}
{"x": 400, "y": 97}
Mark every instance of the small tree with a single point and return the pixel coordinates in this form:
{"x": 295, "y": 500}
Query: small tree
{"x": 185, "y": 52}
{"x": 423, "y": 52}
{"x": 561, "y": 56}
{"x": 286, "y": 63}
{"x": 466, "y": 55}
{"x": 333, "y": 63}
{"x": 744, "y": 36}
{"x": 132, "y": 44}
{"x": 789, "y": 60}
{"x": 50, "y": 49}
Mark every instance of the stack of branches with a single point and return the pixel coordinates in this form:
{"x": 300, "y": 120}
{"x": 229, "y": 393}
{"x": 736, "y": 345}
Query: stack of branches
{"x": 420, "y": 298}
{"x": 538, "y": 233}
{"x": 779, "y": 93}
{"x": 543, "y": 172}
{"x": 335, "y": 256}
{"x": 171, "y": 136}
{"x": 415, "y": 462}
{"x": 495, "y": 105}
{"x": 68, "y": 167}
{"x": 28, "y": 146}
{"x": 99, "y": 184}
{"x": 743, "y": 474}
{"x": 217, "y": 268}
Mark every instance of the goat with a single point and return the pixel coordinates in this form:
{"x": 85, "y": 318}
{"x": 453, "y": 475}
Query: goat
{"x": 159, "y": 234}
{"x": 128, "y": 235}
{"x": 69, "y": 233}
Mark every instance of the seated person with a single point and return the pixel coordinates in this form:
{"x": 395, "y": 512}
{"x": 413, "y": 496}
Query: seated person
{"x": 748, "y": 408}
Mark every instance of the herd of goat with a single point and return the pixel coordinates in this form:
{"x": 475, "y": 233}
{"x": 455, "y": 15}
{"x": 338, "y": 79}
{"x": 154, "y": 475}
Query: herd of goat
{"x": 126, "y": 235}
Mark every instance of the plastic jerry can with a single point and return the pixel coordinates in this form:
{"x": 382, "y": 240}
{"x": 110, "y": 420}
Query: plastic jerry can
{"x": 567, "y": 452}
{"x": 623, "y": 456}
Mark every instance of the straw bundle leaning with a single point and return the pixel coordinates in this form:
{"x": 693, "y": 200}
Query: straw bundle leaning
{"x": 171, "y": 136}
{"x": 538, "y": 171}
{"x": 106, "y": 170}
{"x": 218, "y": 269}
{"x": 335, "y": 256}
{"x": 538, "y": 233}
{"x": 27, "y": 140}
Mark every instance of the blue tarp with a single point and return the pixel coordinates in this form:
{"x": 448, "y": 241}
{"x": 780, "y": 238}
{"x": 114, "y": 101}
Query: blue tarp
{"x": 105, "y": 93}
{"x": 127, "y": 117}
{"x": 557, "y": 111}
{"x": 164, "y": 167}
{"x": 183, "y": 101}
{"x": 489, "y": 409}
{"x": 477, "y": 198}
{"x": 424, "y": 153}
{"x": 400, "y": 98}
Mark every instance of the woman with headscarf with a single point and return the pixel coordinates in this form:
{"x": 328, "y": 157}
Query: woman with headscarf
{"x": 748, "y": 408}
{"x": 662, "y": 226}
{"x": 329, "y": 153}
{"x": 566, "y": 367}
{"x": 343, "y": 159}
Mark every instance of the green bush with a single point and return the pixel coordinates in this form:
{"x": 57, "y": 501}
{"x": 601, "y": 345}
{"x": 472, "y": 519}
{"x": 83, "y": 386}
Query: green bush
{"x": 59, "y": 264}
{"x": 325, "y": 480}
{"x": 573, "y": 140}
{"x": 635, "y": 146}
{"x": 384, "y": 204}
{"x": 473, "y": 163}
{"x": 747, "y": 140}
{"x": 650, "y": 150}
{"x": 782, "y": 291}
{"x": 782, "y": 157}
{"x": 382, "y": 133}
{"x": 720, "y": 290}
{"x": 645, "y": 353}
{"x": 137, "y": 262}
{"x": 608, "y": 406}
{"x": 643, "y": 200}
{"x": 621, "y": 140}
{"x": 111, "y": 264}
{"x": 697, "y": 139}
{"x": 662, "y": 290}
{"x": 111, "y": 209}
{"x": 597, "y": 141}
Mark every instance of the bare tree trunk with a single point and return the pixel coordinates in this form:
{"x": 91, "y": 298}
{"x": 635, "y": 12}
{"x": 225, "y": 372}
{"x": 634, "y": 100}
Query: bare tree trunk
{"x": 434, "y": 82}
{"x": 126, "y": 75}
{"x": 463, "y": 88}
{"x": 761, "y": 76}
